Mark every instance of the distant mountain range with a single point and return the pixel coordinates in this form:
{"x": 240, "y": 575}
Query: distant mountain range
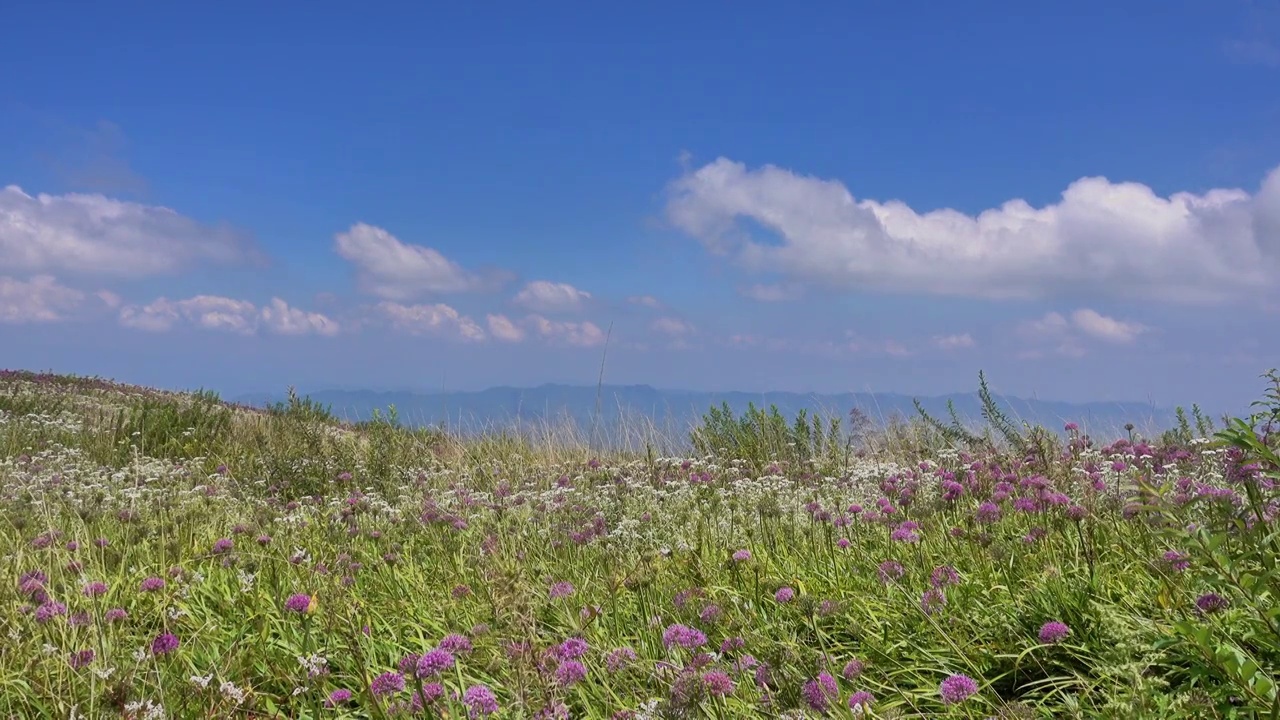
{"x": 630, "y": 412}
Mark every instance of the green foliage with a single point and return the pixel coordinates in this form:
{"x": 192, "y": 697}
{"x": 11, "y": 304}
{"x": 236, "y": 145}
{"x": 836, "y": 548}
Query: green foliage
{"x": 170, "y": 427}
{"x": 762, "y": 437}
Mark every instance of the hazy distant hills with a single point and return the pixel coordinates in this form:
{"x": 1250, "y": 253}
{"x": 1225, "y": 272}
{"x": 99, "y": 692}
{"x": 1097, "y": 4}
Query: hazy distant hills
{"x": 625, "y": 409}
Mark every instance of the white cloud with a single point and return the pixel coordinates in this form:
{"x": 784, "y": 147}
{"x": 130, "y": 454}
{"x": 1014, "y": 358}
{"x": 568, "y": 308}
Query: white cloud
{"x": 954, "y": 342}
{"x": 672, "y": 327}
{"x": 771, "y": 293}
{"x": 38, "y": 300}
{"x": 93, "y": 235}
{"x": 395, "y": 270}
{"x": 1100, "y": 238}
{"x": 648, "y": 301}
{"x": 1091, "y": 323}
{"x": 213, "y": 312}
{"x": 502, "y": 328}
{"x": 438, "y": 320}
{"x": 281, "y": 319}
{"x": 1065, "y": 332}
{"x": 548, "y": 297}
{"x": 583, "y": 334}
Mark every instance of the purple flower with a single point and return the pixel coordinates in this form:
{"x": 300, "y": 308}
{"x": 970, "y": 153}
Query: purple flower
{"x": 1176, "y": 560}
{"x": 80, "y": 658}
{"x": 820, "y": 692}
{"x": 338, "y": 697}
{"x": 1211, "y": 602}
{"x": 151, "y": 584}
{"x": 683, "y": 636}
{"x": 619, "y": 658}
{"x": 435, "y": 662}
{"x": 570, "y": 672}
{"x": 710, "y": 614}
{"x": 784, "y": 595}
{"x": 861, "y": 701}
{"x": 164, "y": 643}
{"x": 572, "y": 649}
{"x": 1054, "y": 631}
{"x": 742, "y": 556}
{"x": 223, "y": 545}
{"x": 97, "y": 588}
{"x": 561, "y": 589}
{"x": 852, "y": 669}
{"x": 957, "y": 688}
{"x": 718, "y": 683}
{"x": 456, "y": 644}
{"x": 944, "y": 575}
{"x": 988, "y": 512}
{"x": 890, "y": 570}
{"x": 299, "y": 603}
{"x": 480, "y": 701}
{"x": 116, "y": 615}
{"x": 49, "y": 611}
{"x": 387, "y": 683}
{"x": 932, "y": 601}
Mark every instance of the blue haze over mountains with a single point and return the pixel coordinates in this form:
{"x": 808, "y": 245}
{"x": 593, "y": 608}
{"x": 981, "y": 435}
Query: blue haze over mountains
{"x": 673, "y": 412}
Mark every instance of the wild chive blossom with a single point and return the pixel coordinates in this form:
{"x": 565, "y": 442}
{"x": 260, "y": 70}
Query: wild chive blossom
{"x": 151, "y": 584}
{"x": 49, "y": 611}
{"x": 97, "y": 588}
{"x": 434, "y": 663}
{"x": 164, "y": 643}
{"x": 480, "y": 701}
{"x": 932, "y": 601}
{"x": 784, "y": 595}
{"x": 456, "y": 644}
{"x": 861, "y": 701}
{"x": 1176, "y": 560}
{"x": 717, "y": 683}
{"x": 957, "y": 688}
{"x": 890, "y": 570}
{"x": 337, "y": 698}
{"x": 300, "y": 603}
{"x": 709, "y": 614}
{"x": 852, "y": 669}
{"x": 80, "y": 658}
{"x": 1211, "y": 602}
{"x": 683, "y": 636}
{"x": 388, "y": 683}
{"x": 223, "y": 545}
{"x": 116, "y": 615}
{"x": 820, "y": 692}
{"x": 742, "y": 556}
{"x": 572, "y": 649}
{"x": 570, "y": 672}
{"x": 944, "y": 575}
{"x": 619, "y": 658}
{"x": 561, "y": 589}
{"x": 1054, "y": 631}
{"x": 988, "y": 512}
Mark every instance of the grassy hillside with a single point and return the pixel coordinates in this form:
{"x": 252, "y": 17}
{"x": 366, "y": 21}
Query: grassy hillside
{"x": 170, "y": 555}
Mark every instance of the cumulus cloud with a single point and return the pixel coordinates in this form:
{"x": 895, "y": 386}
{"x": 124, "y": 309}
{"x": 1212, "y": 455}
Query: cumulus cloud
{"x": 1067, "y": 333}
{"x": 583, "y": 334}
{"x": 439, "y": 320}
{"x": 214, "y": 312}
{"x": 93, "y": 235}
{"x": 396, "y": 270}
{"x": 502, "y": 328}
{"x": 954, "y": 342}
{"x": 38, "y": 300}
{"x": 648, "y": 301}
{"x": 672, "y": 327}
{"x": 1102, "y": 238}
{"x": 548, "y": 297}
{"x": 771, "y": 293}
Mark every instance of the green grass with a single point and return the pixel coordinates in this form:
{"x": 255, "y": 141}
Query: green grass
{"x": 404, "y": 537}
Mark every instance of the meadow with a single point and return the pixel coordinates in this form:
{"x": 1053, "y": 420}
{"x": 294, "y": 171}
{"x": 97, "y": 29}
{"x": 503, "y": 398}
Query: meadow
{"x": 167, "y": 555}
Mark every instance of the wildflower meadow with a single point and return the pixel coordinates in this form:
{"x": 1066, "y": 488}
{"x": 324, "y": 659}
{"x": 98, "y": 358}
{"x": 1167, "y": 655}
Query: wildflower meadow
{"x": 168, "y": 555}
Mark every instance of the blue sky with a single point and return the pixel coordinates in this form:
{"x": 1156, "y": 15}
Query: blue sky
{"x": 846, "y": 196}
